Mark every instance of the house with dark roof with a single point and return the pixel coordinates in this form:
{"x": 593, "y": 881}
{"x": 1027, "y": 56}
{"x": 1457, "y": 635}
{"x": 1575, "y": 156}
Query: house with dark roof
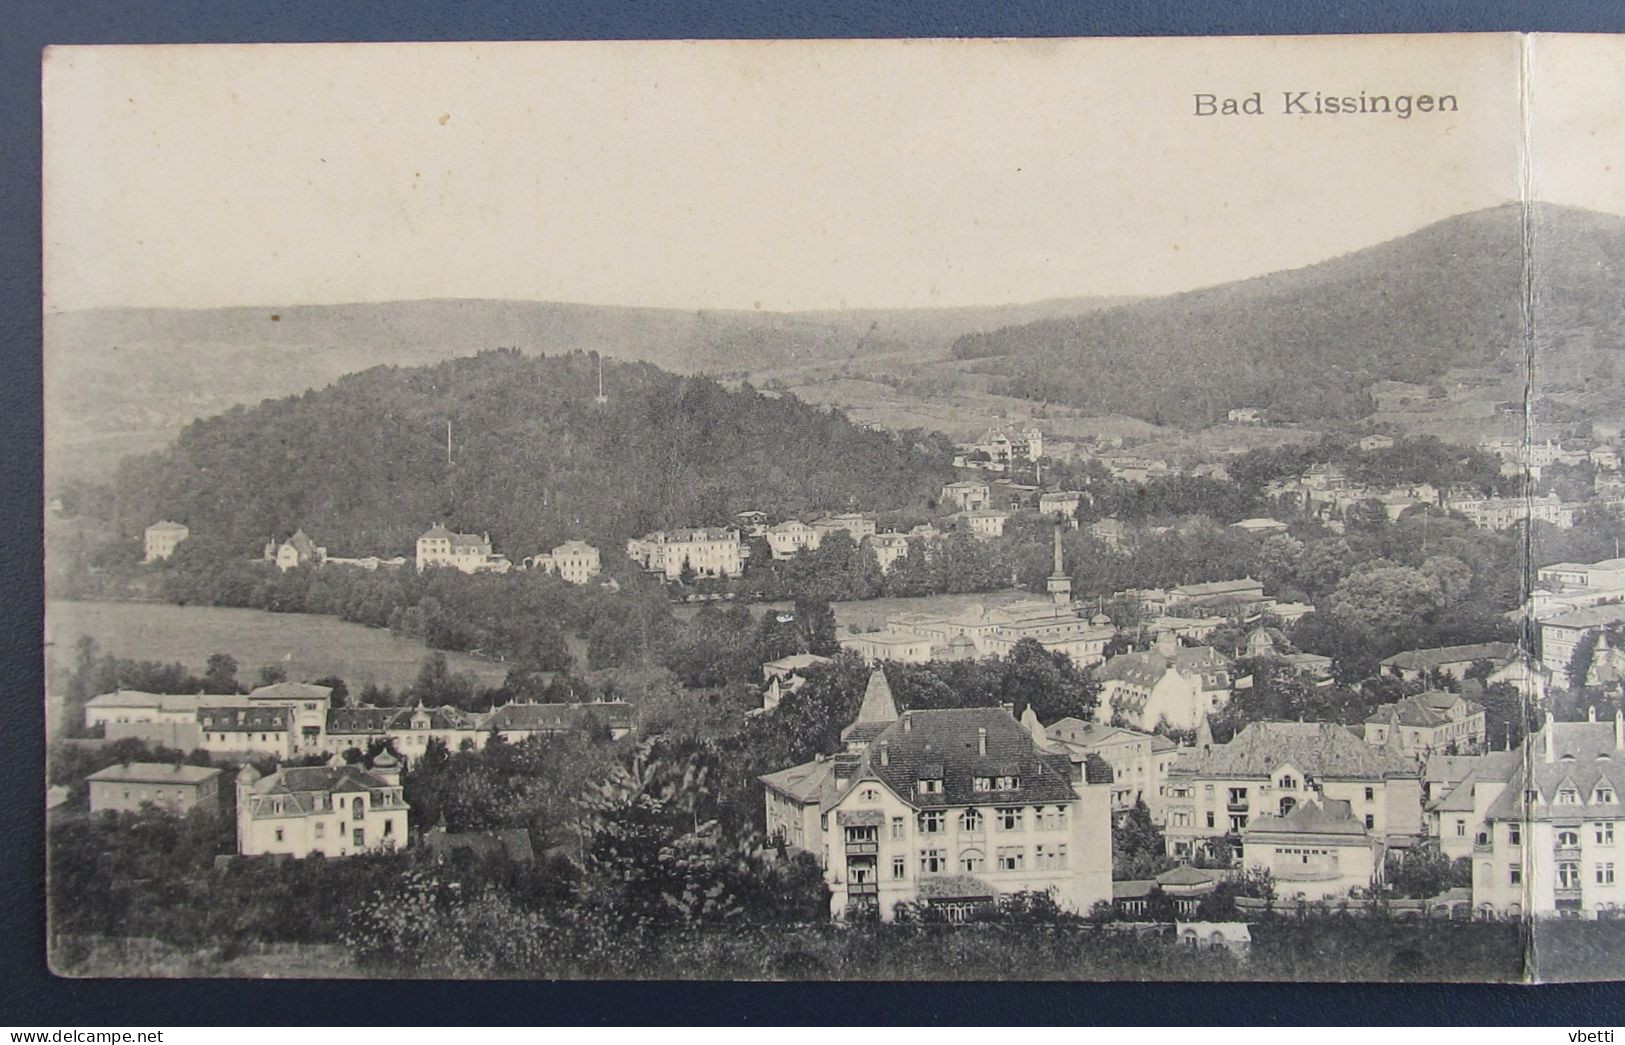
{"x": 1215, "y": 790}
{"x": 408, "y": 730}
{"x": 335, "y": 810}
{"x": 467, "y": 552}
{"x": 1436, "y": 721}
{"x": 1170, "y": 682}
{"x": 1318, "y": 850}
{"x": 298, "y": 550}
{"x": 512, "y": 845}
{"x": 1449, "y": 660}
{"x": 1459, "y": 789}
{"x": 950, "y": 808}
{"x": 516, "y": 722}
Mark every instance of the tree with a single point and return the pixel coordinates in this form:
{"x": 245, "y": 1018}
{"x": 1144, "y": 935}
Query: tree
{"x": 271, "y": 674}
{"x": 1138, "y": 849}
{"x": 340, "y": 696}
{"x": 220, "y": 674}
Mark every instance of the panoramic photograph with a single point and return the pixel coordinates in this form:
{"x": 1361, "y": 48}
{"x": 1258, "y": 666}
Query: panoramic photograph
{"x": 836, "y": 510}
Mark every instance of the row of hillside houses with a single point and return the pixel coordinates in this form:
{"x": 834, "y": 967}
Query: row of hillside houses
{"x": 292, "y": 719}
{"x": 574, "y": 561}
{"x": 954, "y": 808}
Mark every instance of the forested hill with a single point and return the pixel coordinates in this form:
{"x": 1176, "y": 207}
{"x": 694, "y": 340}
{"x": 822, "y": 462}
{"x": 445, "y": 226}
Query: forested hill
{"x": 362, "y": 465}
{"x": 1309, "y": 343}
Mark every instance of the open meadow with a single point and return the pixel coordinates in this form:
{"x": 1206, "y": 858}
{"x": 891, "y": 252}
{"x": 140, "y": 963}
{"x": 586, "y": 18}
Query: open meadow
{"x": 304, "y": 646}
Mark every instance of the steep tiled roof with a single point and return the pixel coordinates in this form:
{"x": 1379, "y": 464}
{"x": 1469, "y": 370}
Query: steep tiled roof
{"x": 946, "y": 742}
{"x": 1330, "y": 817}
{"x": 1423, "y": 709}
{"x": 1583, "y": 756}
{"x": 1187, "y": 875}
{"x": 1320, "y": 749}
{"x": 1146, "y": 667}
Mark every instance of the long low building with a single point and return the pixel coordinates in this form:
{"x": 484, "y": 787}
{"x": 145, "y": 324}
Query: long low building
{"x": 176, "y": 788}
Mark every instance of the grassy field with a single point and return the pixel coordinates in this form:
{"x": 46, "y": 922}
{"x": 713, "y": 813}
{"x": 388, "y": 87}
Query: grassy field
{"x": 303, "y": 645}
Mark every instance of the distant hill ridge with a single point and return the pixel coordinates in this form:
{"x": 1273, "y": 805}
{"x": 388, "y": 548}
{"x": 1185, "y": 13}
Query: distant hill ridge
{"x": 363, "y": 467}
{"x": 1308, "y": 343}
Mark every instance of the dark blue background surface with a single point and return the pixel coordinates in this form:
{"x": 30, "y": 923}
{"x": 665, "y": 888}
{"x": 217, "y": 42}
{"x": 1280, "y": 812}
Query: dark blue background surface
{"x": 30, "y": 996}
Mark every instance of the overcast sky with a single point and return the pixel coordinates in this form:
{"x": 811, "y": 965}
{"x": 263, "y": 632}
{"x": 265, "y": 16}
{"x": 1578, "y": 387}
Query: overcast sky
{"x": 783, "y": 175}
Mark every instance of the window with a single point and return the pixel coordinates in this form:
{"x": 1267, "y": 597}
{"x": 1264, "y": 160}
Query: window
{"x": 862, "y": 833}
{"x": 1515, "y": 834}
{"x": 1605, "y": 794}
{"x": 899, "y": 827}
{"x": 929, "y": 787}
{"x": 1515, "y": 874}
{"x": 899, "y": 867}
{"x": 932, "y": 861}
{"x": 358, "y": 838}
{"x": 971, "y": 861}
{"x": 1287, "y": 782}
{"x": 1568, "y": 875}
{"x": 1370, "y": 794}
{"x": 1050, "y": 856}
{"x": 1605, "y": 833}
{"x": 1009, "y": 818}
{"x": 279, "y": 834}
{"x": 1370, "y": 822}
{"x": 970, "y": 821}
{"x": 1568, "y": 796}
{"x": 321, "y": 829}
{"x": 1461, "y": 829}
{"x": 1012, "y": 857}
{"x": 1568, "y": 839}
{"x": 358, "y": 809}
{"x": 1605, "y": 874}
{"x": 1052, "y": 819}
{"x": 933, "y": 822}
{"x": 869, "y": 794}
{"x": 1208, "y": 791}
{"x": 1210, "y": 818}
{"x": 997, "y": 783}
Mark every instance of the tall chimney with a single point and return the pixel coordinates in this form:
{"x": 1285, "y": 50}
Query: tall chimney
{"x": 908, "y": 723}
{"x": 981, "y": 741}
{"x": 1591, "y": 713}
{"x": 1619, "y": 730}
{"x": 885, "y": 753}
{"x": 1546, "y": 746}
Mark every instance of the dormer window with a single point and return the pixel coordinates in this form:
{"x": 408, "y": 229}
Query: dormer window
{"x": 998, "y": 783}
{"x": 1287, "y": 782}
{"x": 1605, "y": 794}
{"x": 1568, "y": 796}
{"x": 931, "y": 786}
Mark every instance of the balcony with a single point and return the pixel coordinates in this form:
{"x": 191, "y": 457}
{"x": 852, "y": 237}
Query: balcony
{"x": 1568, "y": 852}
{"x": 863, "y": 889}
{"x": 1236, "y": 805}
{"x": 1482, "y": 848}
{"x": 862, "y": 848}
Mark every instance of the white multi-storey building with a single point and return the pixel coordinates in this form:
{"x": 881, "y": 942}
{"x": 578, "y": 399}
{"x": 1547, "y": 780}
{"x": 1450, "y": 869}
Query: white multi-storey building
{"x": 948, "y": 808}
{"x": 706, "y": 552}
{"x": 470, "y": 553}
{"x": 162, "y": 538}
{"x": 335, "y": 810}
{"x": 574, "y": 561}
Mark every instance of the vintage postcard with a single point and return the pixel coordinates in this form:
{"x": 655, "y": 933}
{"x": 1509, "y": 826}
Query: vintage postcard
{"x": 1032, "y": 509}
